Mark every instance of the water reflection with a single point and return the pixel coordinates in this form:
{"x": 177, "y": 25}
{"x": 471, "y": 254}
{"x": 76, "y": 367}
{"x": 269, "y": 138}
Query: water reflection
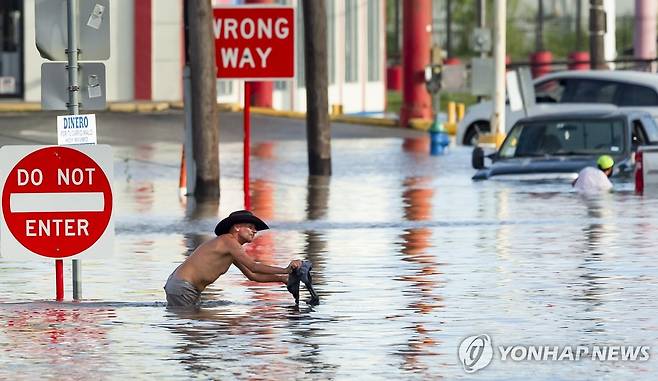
{"x": 593, "y": 285}
{"x": 53, "y": 335}
{"x": 417, "y": 200}
{"x": 317, "y": 201}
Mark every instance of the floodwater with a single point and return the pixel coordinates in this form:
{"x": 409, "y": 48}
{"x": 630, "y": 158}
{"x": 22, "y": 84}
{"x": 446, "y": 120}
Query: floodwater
{"x": 410, "y": 256}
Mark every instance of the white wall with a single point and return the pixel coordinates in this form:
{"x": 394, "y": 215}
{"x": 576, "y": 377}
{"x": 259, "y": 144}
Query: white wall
{"x": 119, "y": 68}
{"x": 32, "y": 59}
{"x": 166, "y": 61}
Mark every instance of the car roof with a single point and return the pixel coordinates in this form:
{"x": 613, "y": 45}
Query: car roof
{"x": 629, "y": 76}
{"x": 585, "y": 114}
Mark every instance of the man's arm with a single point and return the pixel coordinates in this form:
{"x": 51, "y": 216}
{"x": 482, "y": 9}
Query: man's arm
{"x": 240, "y": 258}
{"x": 262, "y": 278}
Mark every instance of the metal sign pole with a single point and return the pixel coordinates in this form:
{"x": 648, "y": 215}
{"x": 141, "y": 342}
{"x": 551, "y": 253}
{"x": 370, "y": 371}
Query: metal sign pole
{"x": 74, "y": 104}
{"x": 247, "y": 143}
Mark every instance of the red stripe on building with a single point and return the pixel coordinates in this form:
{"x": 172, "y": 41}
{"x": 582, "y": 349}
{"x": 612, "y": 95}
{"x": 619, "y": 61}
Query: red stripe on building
{"x": 142, "y": 49}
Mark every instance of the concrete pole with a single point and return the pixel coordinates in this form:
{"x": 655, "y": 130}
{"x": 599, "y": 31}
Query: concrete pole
{"x": 416, "y": 40}
{"x": 644, "y": 36}
{"x": 203, "y": 78}
{"x": 596, "y": 34}
{"x": 261, "y": 92}
{"x": 318, "y": 129}
{"x": 499, "y": 41}
{"x": 609, "y": 38}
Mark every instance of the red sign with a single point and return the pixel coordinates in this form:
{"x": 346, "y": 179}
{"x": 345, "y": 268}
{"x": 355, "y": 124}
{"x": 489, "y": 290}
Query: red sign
{"x": 254, "y": 42}
{"x": 57, "y": 202}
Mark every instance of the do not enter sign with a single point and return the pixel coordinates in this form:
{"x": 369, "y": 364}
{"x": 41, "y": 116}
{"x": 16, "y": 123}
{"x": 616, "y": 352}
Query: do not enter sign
{"x": 56, "y": 201}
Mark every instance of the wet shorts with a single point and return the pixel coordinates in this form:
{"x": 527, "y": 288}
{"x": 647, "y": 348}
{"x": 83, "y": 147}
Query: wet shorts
{"x": 181, "y": 293}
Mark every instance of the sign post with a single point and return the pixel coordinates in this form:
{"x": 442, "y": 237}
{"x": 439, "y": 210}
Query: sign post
{"x": 253, "y": 43}
{"x": 93, "y": 16}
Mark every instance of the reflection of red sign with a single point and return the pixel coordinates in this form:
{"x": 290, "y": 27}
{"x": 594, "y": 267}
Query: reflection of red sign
{"x": 254, "y": 42}
{"x": 57, "y": 202}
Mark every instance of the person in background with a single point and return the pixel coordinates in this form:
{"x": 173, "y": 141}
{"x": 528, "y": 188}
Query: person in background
{"x": 595, "y": 180}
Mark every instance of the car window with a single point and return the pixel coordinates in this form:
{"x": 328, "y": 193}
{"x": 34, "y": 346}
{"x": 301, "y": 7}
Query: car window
{"x": 636, "y": 95}
{"x": 550, "y": 91}
{"x": 565, "y": 137}
{"x": 593, "y": 91}
{"x": 637, "y": 137}
{"x": 650, "y": 128}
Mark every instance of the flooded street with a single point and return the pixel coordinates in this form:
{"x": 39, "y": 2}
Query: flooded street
{"x": 410, "y": 256}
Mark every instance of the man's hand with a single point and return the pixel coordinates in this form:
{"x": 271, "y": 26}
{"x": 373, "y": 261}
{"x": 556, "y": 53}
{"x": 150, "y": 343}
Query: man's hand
{"x": 294, "y": 264}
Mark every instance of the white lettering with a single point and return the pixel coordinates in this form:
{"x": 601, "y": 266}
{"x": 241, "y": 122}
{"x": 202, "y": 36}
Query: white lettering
{"x": 264, "y": 28}
{"x": 504, "y": 351}
{"x": 69, "y": 227}
{"x": 630, "y": 353}
{"x": 217, "y": 27}
{"x": 248, "y": 35}
{"x": 581, "y": 351}
{"x": 263, "y": 56}
{"x": 44, "y": 228}
{"x": 229, "y": 57}
{"x": 29, "y": 228}
{"x": 35, "y": 177}
{"x": 567, "y": 354}
{"x": 550, "y": 351}
{"x": 599, "y": 353}
{"x": 77, "y": 176}
{"x": 247, "y": 58}
{"x": 645, "y": 353}
{"x": 281, "y": 29}
{"x": 534, "y": 353}
{"x": 613, "y": 353}
{"x": 23, "y": 177}
{"x": 83, "y": 225}
{"x": 519, "y": 353}
{"x": 230, "y": 27}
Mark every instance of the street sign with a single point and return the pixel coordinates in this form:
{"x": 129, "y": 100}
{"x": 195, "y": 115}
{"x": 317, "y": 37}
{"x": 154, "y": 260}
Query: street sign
{"x": 54, "y": 86}
{"x": 56, "y": 201}
{"x": 254, "y": 42}
{"x": 94, "y": 34}
{"x": 76, "y": 129}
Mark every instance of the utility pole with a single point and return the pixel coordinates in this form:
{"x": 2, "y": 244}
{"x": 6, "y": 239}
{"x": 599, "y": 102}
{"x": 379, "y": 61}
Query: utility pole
{"x": 499, "y": 41}
{"x": 318, "y": 130}
{"x": 539, "y": 37}
{"x": 596, "y": 34}
{"x": 449, "y": 28}
{"x": 579, "y": 32}
{"x": 203, "y": 73}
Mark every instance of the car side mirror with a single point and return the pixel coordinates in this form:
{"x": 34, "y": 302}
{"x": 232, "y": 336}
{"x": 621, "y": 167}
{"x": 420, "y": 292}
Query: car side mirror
{"x": 477, "y": 158}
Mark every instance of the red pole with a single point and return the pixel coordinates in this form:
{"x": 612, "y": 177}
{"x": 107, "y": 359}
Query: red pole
{"x": 247, "y": 143}
{"x": 416, "y": 40}
{"x": 59, "y": 279}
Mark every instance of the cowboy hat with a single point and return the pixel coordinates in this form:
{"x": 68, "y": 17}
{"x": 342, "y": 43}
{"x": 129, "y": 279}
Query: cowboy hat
{"x": 239, "y": 217}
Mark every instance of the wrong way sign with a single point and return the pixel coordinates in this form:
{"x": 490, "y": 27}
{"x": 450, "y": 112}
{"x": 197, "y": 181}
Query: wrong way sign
{"x": 56, "y": 201}
{"x": 254, "y": 42}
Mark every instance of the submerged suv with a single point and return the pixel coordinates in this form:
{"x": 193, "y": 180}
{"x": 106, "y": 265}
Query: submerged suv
{"x": 625, "y": 89}
{"x": 558, "y": 146}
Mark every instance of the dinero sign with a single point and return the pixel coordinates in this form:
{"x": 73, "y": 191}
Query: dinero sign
{"x": 254, "y": 42}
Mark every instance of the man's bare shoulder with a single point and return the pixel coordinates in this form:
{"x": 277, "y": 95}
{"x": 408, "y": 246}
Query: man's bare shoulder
{"x": 225, "y": 243}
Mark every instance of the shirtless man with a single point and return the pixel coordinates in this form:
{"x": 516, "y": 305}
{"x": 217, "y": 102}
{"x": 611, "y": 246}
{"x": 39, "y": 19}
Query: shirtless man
{"x": 213, "y": 258}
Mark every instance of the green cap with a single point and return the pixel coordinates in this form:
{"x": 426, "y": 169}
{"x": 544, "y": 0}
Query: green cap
{"x": 605, "y": 162}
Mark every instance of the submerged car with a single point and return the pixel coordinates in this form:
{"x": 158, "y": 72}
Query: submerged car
{"x": 566, "y": 91}
{"x": 558, "y": 146}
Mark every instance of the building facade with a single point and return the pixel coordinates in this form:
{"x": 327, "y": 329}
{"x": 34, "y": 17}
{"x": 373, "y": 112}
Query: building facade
{"x": 147, "y": 55}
